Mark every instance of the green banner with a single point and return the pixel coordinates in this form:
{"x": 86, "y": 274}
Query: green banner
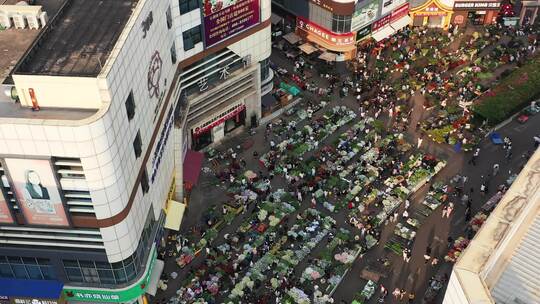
{"x": 114, "y": 295}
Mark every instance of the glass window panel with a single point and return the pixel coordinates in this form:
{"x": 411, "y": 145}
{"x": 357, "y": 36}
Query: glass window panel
{"x": 48, "y": 272}
{"x": 5, "y": 271}
{"x": 34, "y": 272}
{"x": 120, "y": 275}
{"x": 87, "y": 264}
{"x": 31, "y": 261}
{"x": 71, "y": 263}
{"x": 131, "y": 273}
{"x": 103, "y": 265}
{"x": 43, "y": 261}
{"x": 74, "y": 274}
{"x": 90, "y": 275}
{"x": 106, "y": 276}
{"x": 3, "y": 259}
{"x": 14, "y": 260}
{"x": 19, "y": 271}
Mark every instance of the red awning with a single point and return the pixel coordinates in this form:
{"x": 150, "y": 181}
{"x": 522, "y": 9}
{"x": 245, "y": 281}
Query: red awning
{"x": 192, "y": 167}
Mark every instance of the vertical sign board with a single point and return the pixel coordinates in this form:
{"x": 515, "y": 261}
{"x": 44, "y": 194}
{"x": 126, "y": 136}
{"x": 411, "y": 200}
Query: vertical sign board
{"x": 225, "y": 18}
{"x": 37, "y": 192}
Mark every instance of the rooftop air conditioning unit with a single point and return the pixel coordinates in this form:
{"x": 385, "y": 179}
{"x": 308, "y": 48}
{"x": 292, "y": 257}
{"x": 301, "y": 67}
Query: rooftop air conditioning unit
{"x": 4, "y": 20}
{"x": 32, "y": 21}
{"x": 43, "y": 18}
{"x": 19, "y": 21}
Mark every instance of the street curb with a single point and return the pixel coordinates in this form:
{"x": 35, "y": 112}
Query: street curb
{"x": 502, "y": 124}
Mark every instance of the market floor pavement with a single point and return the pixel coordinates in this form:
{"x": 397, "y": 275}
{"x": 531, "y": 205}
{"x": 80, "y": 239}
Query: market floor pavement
{"x": 412, "y": 276}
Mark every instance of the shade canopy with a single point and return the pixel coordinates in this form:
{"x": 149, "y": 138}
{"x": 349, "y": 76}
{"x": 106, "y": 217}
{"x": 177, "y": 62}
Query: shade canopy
{"x": 401, "y": 23}
{"x": 154, "y": 277}
{"x": 307, "y": 48}
{"x": 175, "y": 213}
{"x": 327, "y": 56}
{"x": 383, "y": 33}
{"x": 292, "y": 38}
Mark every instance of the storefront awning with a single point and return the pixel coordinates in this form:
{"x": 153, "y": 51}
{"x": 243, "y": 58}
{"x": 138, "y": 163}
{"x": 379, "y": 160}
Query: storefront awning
{"x": 383, "y": 33}
{"x": 38, "y": 289}
{"x": 307, "y": 48}
{"x": 154, "y": 277}
{"x": 191, "y": 167}
{"x": 175, "y": 213}
{"x": 292, "y": 38}
{"x": 327, "y": 56}
{"x": 401, "y": 23}
{"x": 275, "y": 19}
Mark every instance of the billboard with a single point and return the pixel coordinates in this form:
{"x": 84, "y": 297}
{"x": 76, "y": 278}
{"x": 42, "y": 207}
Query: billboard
{"x": 364, "y": 15}
{"x": 5, "y": 212}
{"x": 225, "y": 18}
{"x": 390, "y": 5}
{"x": 35, "y": 186}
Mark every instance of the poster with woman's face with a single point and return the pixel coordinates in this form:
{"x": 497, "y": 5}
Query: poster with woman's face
{"x": 37, "y": 192}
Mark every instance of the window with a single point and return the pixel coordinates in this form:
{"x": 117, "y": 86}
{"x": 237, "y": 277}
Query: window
{"x": 187, "y": 6}
{"x": 19, "y": 271}
{"x": 144, "y": 182}
{"x": 34, "y": 272}
{"x": 191, "y": 37}
{"x": 173, "y": 53}
{"x": 168, "y": 16}
{"x": 74, "y": 274}
{"x": 265, "y": 69}
{"x": 341, "y": 24}
{"x": 5, "y": 271}
{"x": 130, "y": 106}
{"x": 137, "y": 145}
{"x": 90, "y": 274}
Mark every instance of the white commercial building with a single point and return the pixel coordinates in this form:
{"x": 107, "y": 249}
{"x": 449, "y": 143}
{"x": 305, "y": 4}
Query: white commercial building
{"x": 502, "y": 263}
{"x": 109, "y": 95}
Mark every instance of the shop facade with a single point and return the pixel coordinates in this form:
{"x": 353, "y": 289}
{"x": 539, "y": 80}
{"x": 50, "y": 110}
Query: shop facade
{"x": 391, "y": 23}
{"x": 217, "y": 127}
{"x": 343, "y": 45}
{"x": 475, "y": 12}
{"x": 529, "y": 12}
{"x": 433, "y": 14}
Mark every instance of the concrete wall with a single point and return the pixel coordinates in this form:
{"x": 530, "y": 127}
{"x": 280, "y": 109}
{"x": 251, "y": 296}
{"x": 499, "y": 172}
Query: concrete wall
{"x": 59, "y": 91}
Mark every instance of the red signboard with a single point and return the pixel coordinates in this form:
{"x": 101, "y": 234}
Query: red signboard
{"x": 341, "y": 39}
{"x": 400, "y": 12}
{"x": 220, "y": 120}
{"x": 384, "y": 21}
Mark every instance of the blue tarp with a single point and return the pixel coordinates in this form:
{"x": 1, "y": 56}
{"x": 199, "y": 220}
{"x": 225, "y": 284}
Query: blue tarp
{"x": 31, "y": 288}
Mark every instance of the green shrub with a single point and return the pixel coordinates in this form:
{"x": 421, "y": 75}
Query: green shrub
{"x": 513, "y": 92}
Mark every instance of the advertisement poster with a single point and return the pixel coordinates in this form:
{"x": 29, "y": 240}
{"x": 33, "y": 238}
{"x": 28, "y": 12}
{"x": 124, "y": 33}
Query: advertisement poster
{"x": 5, "y": 212}
{"x": 364, "y": 15}
{"x": 225, "y": 18}
{"x": 390, "y": 5}
{"x": 37, "y": 191}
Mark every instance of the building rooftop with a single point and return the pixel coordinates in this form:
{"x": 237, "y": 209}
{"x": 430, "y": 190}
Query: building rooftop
{"x": 501, "y": 263}
{"x": 81, "y": 39}
{"x": 15, "y": 42}
{"x": 15, "y": 110}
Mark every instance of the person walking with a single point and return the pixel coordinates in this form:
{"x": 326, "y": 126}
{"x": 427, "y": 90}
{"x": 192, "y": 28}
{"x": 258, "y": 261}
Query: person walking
{"x": 474, "y": 157}
{"x": 483, "y": 189}
{"x": 536, "y": 140}
{"x": 449, "y": 209}
{"x": 411, "y": 297}
{"x": 420, "y": 140}
{"x": 444, "y": 211}
{"x": 406, "y": 255}
{"x": 427, "y": 256}
{"x": 450, "y": 241}
{"x": 396, "y": 293}
{"x": 495, "y": 169}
